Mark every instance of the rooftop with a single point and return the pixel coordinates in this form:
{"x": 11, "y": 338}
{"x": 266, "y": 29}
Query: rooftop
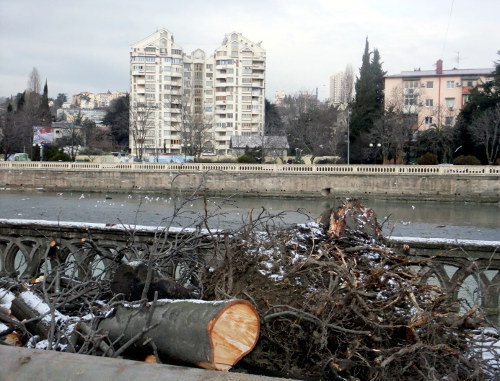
{"x": 432, "y": 73}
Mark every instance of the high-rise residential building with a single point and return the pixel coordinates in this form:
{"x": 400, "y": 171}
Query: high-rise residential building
{"x": 183, "y": 102}
{"x": 435, "y": 97}
{"x": 336, "y": 84}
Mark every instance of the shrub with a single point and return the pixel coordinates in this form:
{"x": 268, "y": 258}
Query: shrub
{"x": 427, "y": 159}
{"x": 247, "y": 158}
{"x": 466, "y": 160}
{"x": 327, "y": 161}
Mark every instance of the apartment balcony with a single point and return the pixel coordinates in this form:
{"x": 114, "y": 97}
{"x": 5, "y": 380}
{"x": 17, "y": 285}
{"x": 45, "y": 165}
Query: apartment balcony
{"x": 258, "y": 75}
{"x": 138, "y": 72}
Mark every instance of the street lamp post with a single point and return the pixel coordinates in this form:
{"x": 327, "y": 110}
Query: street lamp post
{"x": 378, "y": 145}
{"x": 297, "y": 156}
{"x": 348, "y": 136}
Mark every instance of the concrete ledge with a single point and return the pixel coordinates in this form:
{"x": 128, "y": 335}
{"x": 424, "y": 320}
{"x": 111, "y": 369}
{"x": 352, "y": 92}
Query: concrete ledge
{"x": 33, "y": 364}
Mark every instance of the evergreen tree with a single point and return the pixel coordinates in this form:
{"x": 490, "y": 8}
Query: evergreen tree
{"x": 378, "y": 81}
{"x": 368, "y": 103}
{"x": 45, "y": 115}
{"x": 117, "y": 118}
{"x": 273, "y": 123}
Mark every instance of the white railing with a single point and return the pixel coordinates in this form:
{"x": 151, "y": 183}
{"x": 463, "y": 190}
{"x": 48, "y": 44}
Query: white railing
{"x": 322, "y": 169}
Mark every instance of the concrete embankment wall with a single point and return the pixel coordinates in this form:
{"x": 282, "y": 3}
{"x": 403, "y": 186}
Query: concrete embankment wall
{"x": 425, "y": 186}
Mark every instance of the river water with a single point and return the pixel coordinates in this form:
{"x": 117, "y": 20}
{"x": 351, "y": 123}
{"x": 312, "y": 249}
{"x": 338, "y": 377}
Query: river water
{"x": 408, "y": 219}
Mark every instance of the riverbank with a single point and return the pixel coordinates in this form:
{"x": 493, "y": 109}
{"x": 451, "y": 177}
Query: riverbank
{"x": 431, "y": 183}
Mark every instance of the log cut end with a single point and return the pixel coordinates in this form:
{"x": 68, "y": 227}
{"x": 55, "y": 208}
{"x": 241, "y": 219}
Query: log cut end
{"x": 233, "y": 333}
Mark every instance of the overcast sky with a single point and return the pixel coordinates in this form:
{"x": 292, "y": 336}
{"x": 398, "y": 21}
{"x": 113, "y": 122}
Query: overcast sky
{"x": 84, "y": 45}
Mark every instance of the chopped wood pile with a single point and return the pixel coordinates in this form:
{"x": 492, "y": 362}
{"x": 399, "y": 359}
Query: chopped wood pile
{"x": 326, "y": 300}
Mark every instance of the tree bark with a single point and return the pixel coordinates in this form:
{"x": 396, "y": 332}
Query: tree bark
{"x": 212, "y": 335}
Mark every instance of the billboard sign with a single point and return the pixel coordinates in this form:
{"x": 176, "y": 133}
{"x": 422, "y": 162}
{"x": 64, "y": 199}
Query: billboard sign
{"x": 43, "y": 135}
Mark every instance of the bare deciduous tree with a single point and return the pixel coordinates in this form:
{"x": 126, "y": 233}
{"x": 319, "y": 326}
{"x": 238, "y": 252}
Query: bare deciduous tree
{"x": 195, "y": 131}
{"x": 311, "y": 125}
{"x": 486, "y": 131}
{"x": 141, "y": 128}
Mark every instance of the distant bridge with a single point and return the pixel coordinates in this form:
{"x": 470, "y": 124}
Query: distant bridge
{"x": 468, "y": 269}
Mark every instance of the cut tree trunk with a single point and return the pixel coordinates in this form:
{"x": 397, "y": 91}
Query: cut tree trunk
{"x": 212, "y": 335}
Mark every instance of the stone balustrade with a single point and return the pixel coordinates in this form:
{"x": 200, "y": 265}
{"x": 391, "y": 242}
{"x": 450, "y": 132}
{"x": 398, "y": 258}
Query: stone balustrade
{"x": 416, "y": 170}
{"x": 467, "y": 269}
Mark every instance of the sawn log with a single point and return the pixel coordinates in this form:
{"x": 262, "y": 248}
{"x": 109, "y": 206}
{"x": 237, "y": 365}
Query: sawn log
{"x": 212, "y": 335}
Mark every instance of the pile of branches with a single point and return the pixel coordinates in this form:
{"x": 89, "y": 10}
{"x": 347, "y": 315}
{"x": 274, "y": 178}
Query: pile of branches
{"x": 337, "y": 303}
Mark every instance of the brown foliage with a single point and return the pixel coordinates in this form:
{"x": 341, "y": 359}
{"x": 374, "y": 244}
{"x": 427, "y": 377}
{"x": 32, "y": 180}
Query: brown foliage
{"x": 337, "y": 303}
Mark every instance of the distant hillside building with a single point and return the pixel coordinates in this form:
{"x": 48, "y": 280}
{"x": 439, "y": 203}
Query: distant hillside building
{"x": 270, "y": 145}
{"x": 434, "y": 96}
{"x": 176, "y": 92}
{"x": 90, "y": 100}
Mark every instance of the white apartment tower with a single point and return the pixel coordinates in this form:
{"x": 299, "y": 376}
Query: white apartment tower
{"x": 171, "y": 92}
{"x": 336, "y": 84}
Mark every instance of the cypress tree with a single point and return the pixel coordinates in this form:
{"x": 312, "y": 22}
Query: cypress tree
{"x": 45, "y": 115}
{"x": 368, "y": 103}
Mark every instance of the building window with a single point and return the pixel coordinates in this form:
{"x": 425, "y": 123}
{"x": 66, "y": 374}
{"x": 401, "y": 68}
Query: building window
{"x": 450, "y": 103}
{"x": 450, "y": 84}
{"x": 429, "y": 84}
{"x": 429, "y": 103}
{"x": 411, "y": 100}
{"x": 177, "y": 51}
{"x": 469, "y": 82}
{"x": 428, "y": 120}
{"x": 448, "y": 121}
{"x": 410, "y": 84}
{"x": 466, "y": 98}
